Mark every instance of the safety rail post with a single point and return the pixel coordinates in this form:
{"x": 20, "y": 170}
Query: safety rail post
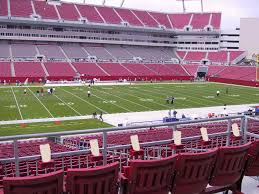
{"x": 245, "y": 129}
{"x": 104, "y": 148}
{"x": 16, "y": 157}
{"x": 229, "y": 131}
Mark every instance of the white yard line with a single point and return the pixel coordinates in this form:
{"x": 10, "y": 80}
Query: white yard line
{"x": 84, "y": 100}
{"x": 154, "y": 92}
{"x": 68, "y": 105}
{"x": 113, "y": 104}
{"x": 41, "y": 103}
{"x": 126, "y": 100}
{"x": 17, "y": 105}
{"x": 144, "y": 97}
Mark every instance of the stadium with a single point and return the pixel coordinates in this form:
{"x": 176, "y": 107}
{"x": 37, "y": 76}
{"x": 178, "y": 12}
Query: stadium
{"x": 129, "y": 97}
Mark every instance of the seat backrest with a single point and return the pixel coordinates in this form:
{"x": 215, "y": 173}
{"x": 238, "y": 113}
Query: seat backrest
{"x": 150, "y": 176}
{"x": 193, "y": 171}
{"x": 229, "y": 165}
{"x": 252, "y": 168}
{"x": 51, "y": 183}
{"x": 99, "y": 180}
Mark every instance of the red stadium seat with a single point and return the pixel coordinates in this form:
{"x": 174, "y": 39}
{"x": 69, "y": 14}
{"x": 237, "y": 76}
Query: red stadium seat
{"x": 253, "y": 160}
{"x": 152, "y": 177}
{"x": 228, "y": 168}
{"x": 51, "y": 183}
{"x": 193, "y": 172}
{"x": 97, "y": 180}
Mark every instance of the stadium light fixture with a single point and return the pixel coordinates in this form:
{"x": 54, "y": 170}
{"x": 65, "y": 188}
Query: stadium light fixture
{"x": 183, "y": 3}
{"x": 122, "y": 3}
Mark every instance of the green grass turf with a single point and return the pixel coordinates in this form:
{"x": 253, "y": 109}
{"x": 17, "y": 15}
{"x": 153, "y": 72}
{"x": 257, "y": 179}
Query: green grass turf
{"x": 32, "y": 128}
{"x": 73, "y": 101}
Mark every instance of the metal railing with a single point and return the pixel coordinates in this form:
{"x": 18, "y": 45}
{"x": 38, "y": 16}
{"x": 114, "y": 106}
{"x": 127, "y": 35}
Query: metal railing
{"x": 106, "y": 148}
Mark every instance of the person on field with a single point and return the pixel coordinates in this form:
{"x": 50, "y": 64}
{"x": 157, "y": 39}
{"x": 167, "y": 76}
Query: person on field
{"x": 41, "y": 92}
{"x": 218, "y": 92}
{"x": 101, "y": 116}
{"x": 24, "y": 91}
{"x": 226, "y": 90}
{"x": 167, "y": 99}
{"x": 172, "y": 100}
{"x": 94, "y": 115}
{"x": 89, "y": 93}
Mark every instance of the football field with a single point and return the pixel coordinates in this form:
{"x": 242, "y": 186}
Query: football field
{"x": 73, "y": 101}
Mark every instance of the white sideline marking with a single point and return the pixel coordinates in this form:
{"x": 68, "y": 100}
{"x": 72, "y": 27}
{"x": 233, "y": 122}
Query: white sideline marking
{"x": 84, "y": 100}
{"x": 126, "y": 100}
{"x": 41, "y": 103}
{"x": 208, "y": 97}
{"x": 146, "y": 99}
{"x": 17, "y": 105}
{"x": 109, "y": 101}
{"x": 234, "y": 95}
{"x": 68, "y": 105}
{"x": 180, "y": 98}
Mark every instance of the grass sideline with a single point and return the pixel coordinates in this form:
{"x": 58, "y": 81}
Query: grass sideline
{"x": 73, "y": 101}
{"x": 33, "y": 128}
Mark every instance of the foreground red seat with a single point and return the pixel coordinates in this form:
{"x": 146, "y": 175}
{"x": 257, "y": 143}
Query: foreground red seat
{"x": 193, "y": 172}
{"x": 252, "y": 168}
{"x": 51, "y": 183}
{"x": 99, "y": 180}
{"x": 152, "y": 176}
{"x": 228, "y": 168}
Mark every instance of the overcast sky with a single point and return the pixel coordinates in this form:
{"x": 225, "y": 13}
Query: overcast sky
{"x": 232, "y": 10}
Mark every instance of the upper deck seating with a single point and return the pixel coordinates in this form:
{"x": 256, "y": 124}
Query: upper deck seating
{"x": 20, "y": 8}
{"x": 145, "y": 18}
{"x": 161, "y": 18}
{"x": 109, "y": 15}
{"x": 103, "y": 179}
{"x": 3, "y": 8}
{"x": 200, "y": 20}
{"x": 90, "y": 13}
{"x": 68, "y": 12}
{"x": 48, "y": 184}
{"x": 179, "y": 21}
{"x": 45, "y": 10}
{"x": 215, "y": 20}
{"x": 129, "y": 17}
